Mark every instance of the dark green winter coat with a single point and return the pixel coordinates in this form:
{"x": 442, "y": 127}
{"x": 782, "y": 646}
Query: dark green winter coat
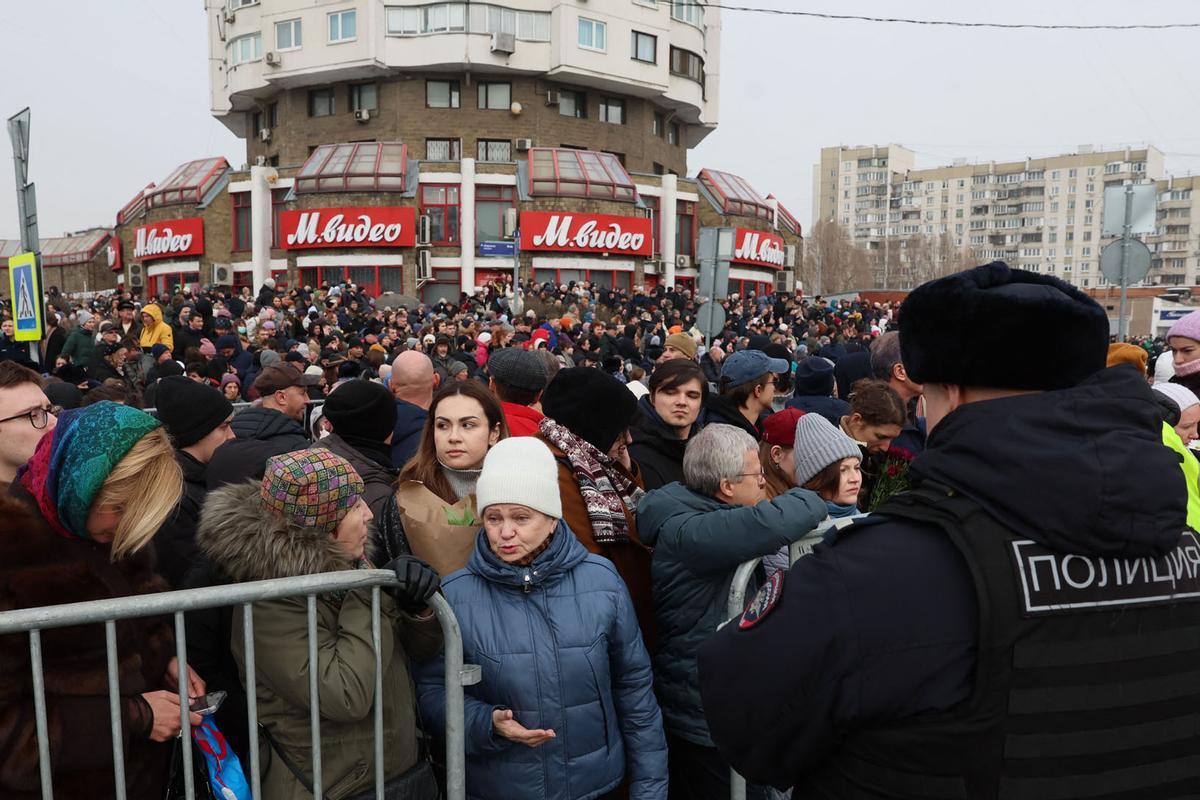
{"x": 248, "y": 542}
{"x": 698, "y": 543}
{"x": 80, "y": 347}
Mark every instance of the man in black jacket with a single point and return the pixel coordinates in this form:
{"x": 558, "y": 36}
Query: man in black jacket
{"x": 197, "y": 417}
{"x": 269, "y": 430}
{"x": 747, "y": 390}
{"x": 1019, "y": 624}
{"x": 188, "y": 335}
{"x": 668, "y": 419}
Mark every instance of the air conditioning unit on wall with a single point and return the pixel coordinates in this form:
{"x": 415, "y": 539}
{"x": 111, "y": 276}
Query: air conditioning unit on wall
{"x": 683, "y": 261}
{"x": 505, "y": 43}
{"x": 135, "y": 275}
{"x": 222, "y": 275}
{"x": 273, "y": 59}
{"x": 524, "y": 144}
{"x": 424, "y": 230}
{"x": 552, "y": 98}
{"x": 362, "y": 114}
{"x": 785, "y": 281}
{"x": 424, "y": 266}
{"x": 264, "y": 134}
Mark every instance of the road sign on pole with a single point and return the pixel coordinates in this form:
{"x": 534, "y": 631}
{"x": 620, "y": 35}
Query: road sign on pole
{"x": 25, "y": 290}
{"x": 710, "y": 319}
{"x": 18, "y": 133}
{"x": 1140, "y": 217}
{"x": 1136, "y": 270}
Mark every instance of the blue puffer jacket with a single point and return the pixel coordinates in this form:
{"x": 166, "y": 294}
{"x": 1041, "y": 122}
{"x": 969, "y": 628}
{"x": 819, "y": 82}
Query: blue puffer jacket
{"x": 559, "y": 645}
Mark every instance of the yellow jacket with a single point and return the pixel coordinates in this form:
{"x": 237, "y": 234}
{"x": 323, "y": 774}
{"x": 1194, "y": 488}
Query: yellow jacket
{"x": 158, "y": 333}
{"x": 1191, "y": 473}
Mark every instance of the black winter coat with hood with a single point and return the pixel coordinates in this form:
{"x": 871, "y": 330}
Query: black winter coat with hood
{"x": 883, "y": 625}
{"x": 261, "y": 433}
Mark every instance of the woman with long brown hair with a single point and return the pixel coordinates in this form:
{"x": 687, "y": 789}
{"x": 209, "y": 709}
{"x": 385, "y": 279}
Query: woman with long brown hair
{"x": 434, "y": 514}
{"x": 876, "y": 416}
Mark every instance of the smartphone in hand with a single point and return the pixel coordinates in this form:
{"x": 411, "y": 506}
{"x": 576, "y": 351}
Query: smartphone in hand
{"x": 207, "y": 704}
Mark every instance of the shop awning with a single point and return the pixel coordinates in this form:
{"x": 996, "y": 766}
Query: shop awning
{"x": 189, "y": 183}
{"x": 734, "y": 195}
{"x": 134, "y": 207}
{"x": 786, "y": 218}
{"x": 565, "y": 172}
{"x": 364, "y": 166}
{"x": 78, "y": 249}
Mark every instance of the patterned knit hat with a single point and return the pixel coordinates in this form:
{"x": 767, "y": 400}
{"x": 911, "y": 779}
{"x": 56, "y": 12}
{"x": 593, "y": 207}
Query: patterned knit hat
{"x": 311, "y": 488}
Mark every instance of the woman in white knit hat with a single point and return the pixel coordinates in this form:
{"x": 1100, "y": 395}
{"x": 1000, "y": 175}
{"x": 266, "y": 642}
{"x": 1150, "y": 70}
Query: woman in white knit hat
{"x": 565, "y": 708}
{"x": 1189, "y": 409}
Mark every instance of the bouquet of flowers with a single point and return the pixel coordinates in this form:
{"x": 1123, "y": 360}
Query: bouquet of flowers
{"x": 893, "y": 475}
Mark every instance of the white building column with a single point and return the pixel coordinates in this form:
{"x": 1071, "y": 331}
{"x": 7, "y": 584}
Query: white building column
{"x": 261, "y": 179}
{"x": 466, "y": 224}
{"x": 774, "y": 206}
{"x": 666, "y": 227}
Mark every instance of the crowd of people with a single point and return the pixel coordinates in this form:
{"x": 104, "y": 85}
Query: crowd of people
{"x": 580, "y": 471}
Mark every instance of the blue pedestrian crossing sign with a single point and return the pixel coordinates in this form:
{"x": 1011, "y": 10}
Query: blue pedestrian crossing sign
{"x": 25, "y": 293}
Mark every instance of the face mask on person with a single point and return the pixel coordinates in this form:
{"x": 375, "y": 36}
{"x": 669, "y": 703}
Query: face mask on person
{"x": 241, "y": 329}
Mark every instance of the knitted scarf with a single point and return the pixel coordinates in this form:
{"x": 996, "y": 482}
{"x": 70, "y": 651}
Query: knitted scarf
{"x": 608, "y": 492}
{"x": 71, "y": 463}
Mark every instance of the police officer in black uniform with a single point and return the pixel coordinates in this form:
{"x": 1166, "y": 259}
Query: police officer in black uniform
{"x": 1025, "y": 622}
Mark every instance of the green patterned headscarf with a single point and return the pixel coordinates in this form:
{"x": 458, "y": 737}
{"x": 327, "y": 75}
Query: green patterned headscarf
{"x": 72, "y": 462}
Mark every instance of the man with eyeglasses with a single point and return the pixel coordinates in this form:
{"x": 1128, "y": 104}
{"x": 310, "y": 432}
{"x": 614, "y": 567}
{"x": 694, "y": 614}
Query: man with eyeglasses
{"x": 701, "y": 530}
{"x": 25, "y": 414}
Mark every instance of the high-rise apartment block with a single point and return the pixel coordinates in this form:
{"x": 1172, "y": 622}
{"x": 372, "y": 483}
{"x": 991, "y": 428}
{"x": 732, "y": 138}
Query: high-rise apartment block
{"x": 1040, "y": 214}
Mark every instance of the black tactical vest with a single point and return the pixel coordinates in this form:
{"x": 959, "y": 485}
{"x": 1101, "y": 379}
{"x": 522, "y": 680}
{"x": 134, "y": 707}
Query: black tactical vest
{"x": 1087, "y": 683}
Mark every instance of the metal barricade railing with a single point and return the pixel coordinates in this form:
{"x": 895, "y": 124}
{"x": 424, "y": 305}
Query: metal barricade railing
{"x": 737, "y": 604}
{"x": 457, "y": 675}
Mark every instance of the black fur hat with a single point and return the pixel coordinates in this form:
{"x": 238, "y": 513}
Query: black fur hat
{"x": 974, "y": 328}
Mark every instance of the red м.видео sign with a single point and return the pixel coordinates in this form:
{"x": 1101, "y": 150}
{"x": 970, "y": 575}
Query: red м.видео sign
{"x": 169, "y": 238}
{"x": 586, "y": 233}
{"x": 372, "y": 226}
{"x": 759, "y": 247}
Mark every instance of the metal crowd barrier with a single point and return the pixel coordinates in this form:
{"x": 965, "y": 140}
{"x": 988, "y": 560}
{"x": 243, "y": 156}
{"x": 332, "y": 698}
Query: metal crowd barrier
{"x": 457, "y": 675}
{"x": 737, "y": 604}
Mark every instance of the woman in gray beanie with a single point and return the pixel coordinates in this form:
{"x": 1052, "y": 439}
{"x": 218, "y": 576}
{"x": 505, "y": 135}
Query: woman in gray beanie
{"x": 828, "y": 462}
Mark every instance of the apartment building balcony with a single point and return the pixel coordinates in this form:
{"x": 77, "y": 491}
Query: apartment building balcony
{"x": 1168, "y": 205}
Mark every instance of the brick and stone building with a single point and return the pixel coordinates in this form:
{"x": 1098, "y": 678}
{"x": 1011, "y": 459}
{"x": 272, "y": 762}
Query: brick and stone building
{"x": 400, "y": 137}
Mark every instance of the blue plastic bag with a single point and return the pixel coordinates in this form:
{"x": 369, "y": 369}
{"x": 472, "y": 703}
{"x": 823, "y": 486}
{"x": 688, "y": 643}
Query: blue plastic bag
{"x": 225, "y": 774}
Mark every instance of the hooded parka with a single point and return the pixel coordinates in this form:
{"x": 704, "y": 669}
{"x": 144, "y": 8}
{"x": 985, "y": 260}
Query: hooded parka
{"x": 247, "y": 542}
{"x": 159, "y": 333}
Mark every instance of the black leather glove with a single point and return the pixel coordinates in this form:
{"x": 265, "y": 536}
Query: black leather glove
{"x": 418, "y": 582}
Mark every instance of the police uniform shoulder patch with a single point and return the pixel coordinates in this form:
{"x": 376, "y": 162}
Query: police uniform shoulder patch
{"x": 767, "y": 598}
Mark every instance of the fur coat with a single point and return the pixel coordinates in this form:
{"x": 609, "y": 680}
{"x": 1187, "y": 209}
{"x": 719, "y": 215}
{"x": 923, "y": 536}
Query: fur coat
{"x": 41, "y": 568}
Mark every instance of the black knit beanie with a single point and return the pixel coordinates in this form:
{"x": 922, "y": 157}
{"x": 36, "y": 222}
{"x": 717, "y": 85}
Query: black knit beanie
{"x": 190, "y": 410}
{"x": 363, "y": 409}
{"x": 594, "y": 406}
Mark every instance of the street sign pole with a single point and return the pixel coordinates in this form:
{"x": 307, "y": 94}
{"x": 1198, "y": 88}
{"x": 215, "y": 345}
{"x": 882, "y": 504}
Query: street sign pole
{"x": 1122, "y": 322}
{"x": 518, "y": 302}
{"x": 18, "y": 133}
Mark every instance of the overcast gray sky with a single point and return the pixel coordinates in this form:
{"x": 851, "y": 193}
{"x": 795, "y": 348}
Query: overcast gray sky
{"x": 119, "y": 92}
